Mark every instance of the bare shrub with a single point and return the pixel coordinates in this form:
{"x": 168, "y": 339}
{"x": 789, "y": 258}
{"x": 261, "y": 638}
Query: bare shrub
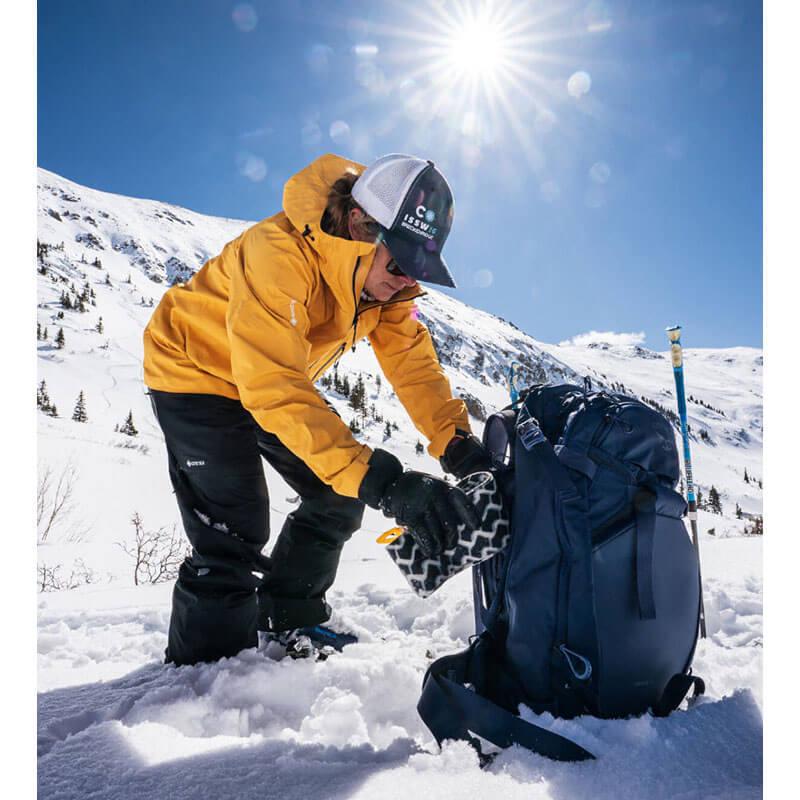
{"x": 51, "y": 579}
{"x": 157, "y": 554}
{"x": 127, "y": 444}
{"x": 55, "y": 507}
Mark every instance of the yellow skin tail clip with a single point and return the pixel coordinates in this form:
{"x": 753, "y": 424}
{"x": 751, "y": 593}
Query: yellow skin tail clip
{"x": 387, "y": 537}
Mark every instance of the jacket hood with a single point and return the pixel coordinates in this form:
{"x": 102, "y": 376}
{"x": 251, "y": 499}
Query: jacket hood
{"x": 305, "y": 196}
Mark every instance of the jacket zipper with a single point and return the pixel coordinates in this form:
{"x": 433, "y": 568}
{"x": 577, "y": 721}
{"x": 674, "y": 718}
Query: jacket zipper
{"x": 356, "y": 315}
{"x": 336, "y": 355}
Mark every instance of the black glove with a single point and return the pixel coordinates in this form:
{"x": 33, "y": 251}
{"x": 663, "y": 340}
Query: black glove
{"x": 430, "y": 508}
{"x": 464, "y": 455}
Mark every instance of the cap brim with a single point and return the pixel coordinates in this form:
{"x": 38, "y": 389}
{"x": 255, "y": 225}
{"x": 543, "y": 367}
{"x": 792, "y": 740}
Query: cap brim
{"x": 419, "y": 261}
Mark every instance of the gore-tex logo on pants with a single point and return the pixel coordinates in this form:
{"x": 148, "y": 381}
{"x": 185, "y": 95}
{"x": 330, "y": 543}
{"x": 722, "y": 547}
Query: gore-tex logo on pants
{"x": 198, "y": 463}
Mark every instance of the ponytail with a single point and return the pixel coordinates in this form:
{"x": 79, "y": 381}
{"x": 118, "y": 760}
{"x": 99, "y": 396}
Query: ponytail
{"x": 340, "y": 204}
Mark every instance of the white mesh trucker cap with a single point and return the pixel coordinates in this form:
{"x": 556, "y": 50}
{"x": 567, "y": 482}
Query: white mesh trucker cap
{"x": 412, "y": 202}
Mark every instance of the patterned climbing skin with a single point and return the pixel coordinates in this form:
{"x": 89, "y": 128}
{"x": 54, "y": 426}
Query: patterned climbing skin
{"x": 426, "y": 575}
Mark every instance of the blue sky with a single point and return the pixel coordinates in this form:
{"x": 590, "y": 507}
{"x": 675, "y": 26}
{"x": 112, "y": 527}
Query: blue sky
{"x": 605, "y": 160}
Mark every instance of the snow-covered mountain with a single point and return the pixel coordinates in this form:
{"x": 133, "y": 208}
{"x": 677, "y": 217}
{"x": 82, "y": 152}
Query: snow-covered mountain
{"x": 112, "y": 257}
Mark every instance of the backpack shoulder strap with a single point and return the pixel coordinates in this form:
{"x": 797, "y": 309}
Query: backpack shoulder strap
{"x": 452, "y": 711}
{"x": 498, "y": 435}
{"x": 674, "y": 692}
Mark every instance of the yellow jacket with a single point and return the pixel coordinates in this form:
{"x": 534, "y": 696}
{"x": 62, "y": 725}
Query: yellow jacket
{"x": 268, "y": 316}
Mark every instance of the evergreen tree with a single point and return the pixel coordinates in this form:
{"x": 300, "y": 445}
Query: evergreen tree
{"x": 65, "y": 301}
{"x": 358, "y": 396}
{"x": 378, "y": 383}
{"x": 700, "y": 501}
{"x": 60, "y": 339}
{"x": 44, "y": 334}
{"x": 418, "y": 448}
{"x": 354, "y": 426}
{"x": 714, "y": 502}
{"x": 99, "y": 326}
{"x": 346, "y": 386}
{"x": 38, "y": 331}
{"x": 128, "y": 428}
{"x": 42, "y": 398}
{"x": 739, "y": 514}
{"x": 760, "y": 484}
{"x": 108, "y": 279}
{"x": 129, "y": 279}
{"x": 746, "y": 476}
{"x": 52, "y": 411}
{"x": 387, "y": 431}
{"x": 79, "y": 414}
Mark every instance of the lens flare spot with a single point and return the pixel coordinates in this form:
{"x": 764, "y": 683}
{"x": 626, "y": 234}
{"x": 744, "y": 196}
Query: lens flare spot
{"x": 545, "y": 120}
{"x": 371, "y": 77}
{"x": 245, "y": 17}
{"x": 364, "y": 50}
{"x": 600, "y": 172}
{"x": 579, "y": 84}
{"x": 252, "y": 167}
{"x": 339, "y": 131}
{"x": 311, "y": 133}
{"x": 597, "y": 16}
{"x": 483, "y": 278}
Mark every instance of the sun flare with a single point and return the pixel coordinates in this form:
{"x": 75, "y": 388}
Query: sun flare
{"x": 477, "y": 49}
{"x": 483, "y": 73}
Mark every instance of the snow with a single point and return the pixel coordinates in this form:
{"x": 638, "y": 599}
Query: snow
{"x": 114, "y": 722}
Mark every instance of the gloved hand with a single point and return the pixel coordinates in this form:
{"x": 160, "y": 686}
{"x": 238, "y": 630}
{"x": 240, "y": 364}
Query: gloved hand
{"x": 430, "y": 508}
{"x": 464, "y": 455}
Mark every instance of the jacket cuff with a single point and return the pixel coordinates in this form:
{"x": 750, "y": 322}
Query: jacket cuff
{"x": 383, "y": 470}
{"x": 439, "y": 442}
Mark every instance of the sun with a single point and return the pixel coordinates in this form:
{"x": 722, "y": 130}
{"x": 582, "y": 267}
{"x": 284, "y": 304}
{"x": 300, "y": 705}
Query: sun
{"x": 479, "y": 75}
{"x": 477, "y": 49}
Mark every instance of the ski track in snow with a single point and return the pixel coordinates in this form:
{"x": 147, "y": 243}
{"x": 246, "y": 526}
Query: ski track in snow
{"x": 114, "y": 722}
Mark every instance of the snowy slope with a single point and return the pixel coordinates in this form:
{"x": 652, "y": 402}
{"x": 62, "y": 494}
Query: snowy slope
{"x": 113, "y": 721}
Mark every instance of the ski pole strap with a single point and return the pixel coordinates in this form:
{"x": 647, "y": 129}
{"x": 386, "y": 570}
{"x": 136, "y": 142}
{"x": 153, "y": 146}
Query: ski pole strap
{"x": 451, "y": 711}
{"x": 675, "y": 691}
{"x": 645, "y": 505}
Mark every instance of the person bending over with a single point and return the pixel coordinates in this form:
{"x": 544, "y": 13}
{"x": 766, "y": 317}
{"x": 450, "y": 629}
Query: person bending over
{"x": 230, "y": 360}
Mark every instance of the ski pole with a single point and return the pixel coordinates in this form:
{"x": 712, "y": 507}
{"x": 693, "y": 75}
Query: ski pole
{"x": 513, "y": 391}
{"x": 674, "y": 336}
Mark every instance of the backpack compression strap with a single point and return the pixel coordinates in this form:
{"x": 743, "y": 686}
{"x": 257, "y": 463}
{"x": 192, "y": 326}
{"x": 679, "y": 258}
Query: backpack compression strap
{"x": 452, "y": 711}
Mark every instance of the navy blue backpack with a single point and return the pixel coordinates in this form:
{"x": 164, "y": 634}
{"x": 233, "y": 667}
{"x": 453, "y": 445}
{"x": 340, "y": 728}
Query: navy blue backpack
{"x": 593, "y": 607}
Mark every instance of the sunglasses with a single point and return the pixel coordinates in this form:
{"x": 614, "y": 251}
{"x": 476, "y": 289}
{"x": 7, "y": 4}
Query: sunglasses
{"x": 393, "y": 268}
{"x": 374, "y": 229}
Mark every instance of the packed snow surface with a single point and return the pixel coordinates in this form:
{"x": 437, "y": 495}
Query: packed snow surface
{"x": 115, "y": 723}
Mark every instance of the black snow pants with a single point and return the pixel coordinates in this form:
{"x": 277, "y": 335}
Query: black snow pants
{"x": 214, "y": 450}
